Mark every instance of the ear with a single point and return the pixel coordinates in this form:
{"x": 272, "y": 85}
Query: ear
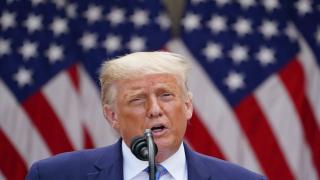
{"x": 189, "y": 107}
{"x": 111, "y": 116}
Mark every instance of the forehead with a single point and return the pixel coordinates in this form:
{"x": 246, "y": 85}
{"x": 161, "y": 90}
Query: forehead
{"x": 148, "y": 82}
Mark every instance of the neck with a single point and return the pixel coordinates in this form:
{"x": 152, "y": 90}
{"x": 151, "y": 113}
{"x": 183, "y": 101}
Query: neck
{"x": 163, "y": 155}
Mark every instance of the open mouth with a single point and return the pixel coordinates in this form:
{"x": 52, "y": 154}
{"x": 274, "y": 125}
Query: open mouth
{"x": 158, "y": 130}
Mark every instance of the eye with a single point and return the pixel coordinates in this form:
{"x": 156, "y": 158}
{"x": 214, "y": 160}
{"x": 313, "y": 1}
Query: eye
{"x": 136, "y": 101}
{"x": 166, "y": 96}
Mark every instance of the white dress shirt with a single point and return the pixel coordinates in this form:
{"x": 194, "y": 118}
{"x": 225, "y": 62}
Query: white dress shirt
{"x": 133, "y": 167}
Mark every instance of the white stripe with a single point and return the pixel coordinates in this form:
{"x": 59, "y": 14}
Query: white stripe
{"x": 217, "y": 115}
{"x": 312, "y": 73}
{"x": 19, "y": 129}
{"x": 285, "y": 124}
{"x": 92, "y": 114}
{"x": 64, "y": 100}
{"x": 2, "y": 176}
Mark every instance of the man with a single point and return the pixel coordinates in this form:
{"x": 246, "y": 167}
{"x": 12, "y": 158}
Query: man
{"x": 144, "y": 90}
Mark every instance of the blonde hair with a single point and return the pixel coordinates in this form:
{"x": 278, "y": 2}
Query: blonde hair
{"x": 140, "y": 63}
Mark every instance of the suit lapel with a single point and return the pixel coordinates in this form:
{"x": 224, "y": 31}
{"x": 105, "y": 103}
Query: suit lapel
{"x": 109, "y": 166}
{"x": 196, "y": 169}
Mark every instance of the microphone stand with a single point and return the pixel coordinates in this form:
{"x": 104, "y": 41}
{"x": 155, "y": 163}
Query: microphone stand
{"x": 151, "y": 154}
{"x": 145, "y": 149}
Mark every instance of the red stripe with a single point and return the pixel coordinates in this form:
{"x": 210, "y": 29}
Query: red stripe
{"x": 48, "y": 124}
{"x": 293, "y": 78}
{"x": 11, "y": 164}
{"x": 74, "y": 76}
{"x": 88, "y": 143}
{"x": 200, "y": 139}
{"x": 262, "y": 139}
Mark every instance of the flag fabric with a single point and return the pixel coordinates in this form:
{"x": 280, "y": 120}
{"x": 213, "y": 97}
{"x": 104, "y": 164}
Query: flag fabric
{"x": 50, "y": 54}
{"x": 255, "y": 78}
{"x": 256, "y": 83}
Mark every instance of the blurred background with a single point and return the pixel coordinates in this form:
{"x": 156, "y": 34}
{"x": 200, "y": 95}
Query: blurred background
{"x": 255, "y": 77}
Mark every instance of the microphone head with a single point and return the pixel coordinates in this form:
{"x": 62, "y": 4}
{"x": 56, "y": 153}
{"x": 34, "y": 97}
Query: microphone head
{"x": 139, "y": 147}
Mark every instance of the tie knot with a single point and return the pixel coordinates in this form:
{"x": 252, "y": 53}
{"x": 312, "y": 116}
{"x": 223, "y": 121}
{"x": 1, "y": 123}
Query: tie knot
{"x": 160, "y": 171}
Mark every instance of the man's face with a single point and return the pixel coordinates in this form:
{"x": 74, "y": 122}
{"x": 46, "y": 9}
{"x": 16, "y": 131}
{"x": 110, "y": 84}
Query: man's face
{"x": 156, "y": 102}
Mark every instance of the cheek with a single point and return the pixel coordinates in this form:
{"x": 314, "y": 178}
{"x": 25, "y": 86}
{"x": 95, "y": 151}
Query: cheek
{"x": 131, "y": 121}
{"x": 178, "y": 119}
{"x": 182, "y": 126}
{"x": 133, "y": 113}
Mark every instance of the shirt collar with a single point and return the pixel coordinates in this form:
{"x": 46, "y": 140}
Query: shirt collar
{"x": 176, "y": 164}
{"x": 132, "y": 166}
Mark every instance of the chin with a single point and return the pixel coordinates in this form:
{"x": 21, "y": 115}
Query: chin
{"x": 166, "y": 145}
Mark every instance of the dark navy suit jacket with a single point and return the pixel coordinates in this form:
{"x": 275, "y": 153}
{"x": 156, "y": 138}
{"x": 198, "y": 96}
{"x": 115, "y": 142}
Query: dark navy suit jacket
{"x": 106, "y": 164}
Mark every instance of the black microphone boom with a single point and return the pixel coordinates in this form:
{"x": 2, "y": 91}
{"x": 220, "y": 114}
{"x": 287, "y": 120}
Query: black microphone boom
{"x": 144, "y": 148}
{"x": 139, "y": 147}
{"x": 151, "y": 154}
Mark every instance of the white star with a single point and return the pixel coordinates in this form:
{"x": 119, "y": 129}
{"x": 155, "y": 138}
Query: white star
{"x": 270, "y": 5}
{"x": 4, "y": 47}
{"x": 59, "y": 26}
{"x": 212, "y": 51}
{"x": 317, "y": 35}
{"x": 136, "y": 44}
{"x": 116, "y": 16}
{"x": 71, "y": 11}
{"x": 269, "y": 29}
{"x": 33, "y": 23}
{"x": 245, "y": 4}
{"x": 242, "y": 27}
{"x": 303, "y": 7}
{"x": 291, "y": 32}
{"x": 54, "y": 53}
{"x": 140, "y": 18}
{"x": 23, "y": 77}
{"x": 234, "y": 81}
{"x": 239, "y": 54}
{"x": 265, "y": 56}
{"x": 191, "y": 22}
{"x": 222, "y": 2}
{"x": 163, "y": 21}
{"x": 10, "y": 1}
{"x": 7, "y": 20}
{"x": 60, "y": 3}
{"x": 28, "y": 50}
{"x": 93, "y": 14}
{"x": 88, "y": 41}
{"x": 112, "y": 43}
{"x": 217, "y": 23}
{"x": 36, "y": 2}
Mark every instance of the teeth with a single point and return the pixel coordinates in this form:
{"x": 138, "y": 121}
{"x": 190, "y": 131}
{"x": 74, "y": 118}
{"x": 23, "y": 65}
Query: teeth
{"x": 157, "y": 128}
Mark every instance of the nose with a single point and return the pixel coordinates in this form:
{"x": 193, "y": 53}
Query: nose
{"x": 154, "y": 109}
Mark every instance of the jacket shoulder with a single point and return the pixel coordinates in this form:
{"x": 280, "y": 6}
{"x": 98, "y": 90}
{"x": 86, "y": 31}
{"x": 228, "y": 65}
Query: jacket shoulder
{"x": 220, "y": 169}
{"x": 74, "y": 157}
{"x": 68, "y": 165}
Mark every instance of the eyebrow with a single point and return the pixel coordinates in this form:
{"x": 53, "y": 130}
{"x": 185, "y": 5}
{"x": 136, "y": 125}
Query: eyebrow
{"x": 137, "y": 90}
{"x": 133, "y": 93}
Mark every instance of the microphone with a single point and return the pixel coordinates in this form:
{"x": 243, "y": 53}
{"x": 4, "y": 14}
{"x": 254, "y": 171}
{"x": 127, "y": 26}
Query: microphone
{"x": 144, "y": 148}
{"x": 139, "y": 148}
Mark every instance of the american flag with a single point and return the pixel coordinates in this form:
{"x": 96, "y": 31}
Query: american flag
{"x": 50, "y": 54}
{"x": 256, "y": 83}
{"x": 255, "y": 78}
